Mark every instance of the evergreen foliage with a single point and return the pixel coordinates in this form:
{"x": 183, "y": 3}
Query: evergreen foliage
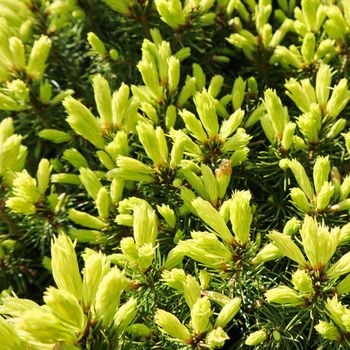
{"x": 174, "y": 174}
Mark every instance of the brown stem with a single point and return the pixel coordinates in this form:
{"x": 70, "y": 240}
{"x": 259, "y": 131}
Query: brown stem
{"x": 345, "y": 62}
{"x": 144, "y": 22}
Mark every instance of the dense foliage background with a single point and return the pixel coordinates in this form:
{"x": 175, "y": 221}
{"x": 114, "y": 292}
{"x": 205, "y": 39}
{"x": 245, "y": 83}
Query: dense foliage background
{"x": 174, "y": 174}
